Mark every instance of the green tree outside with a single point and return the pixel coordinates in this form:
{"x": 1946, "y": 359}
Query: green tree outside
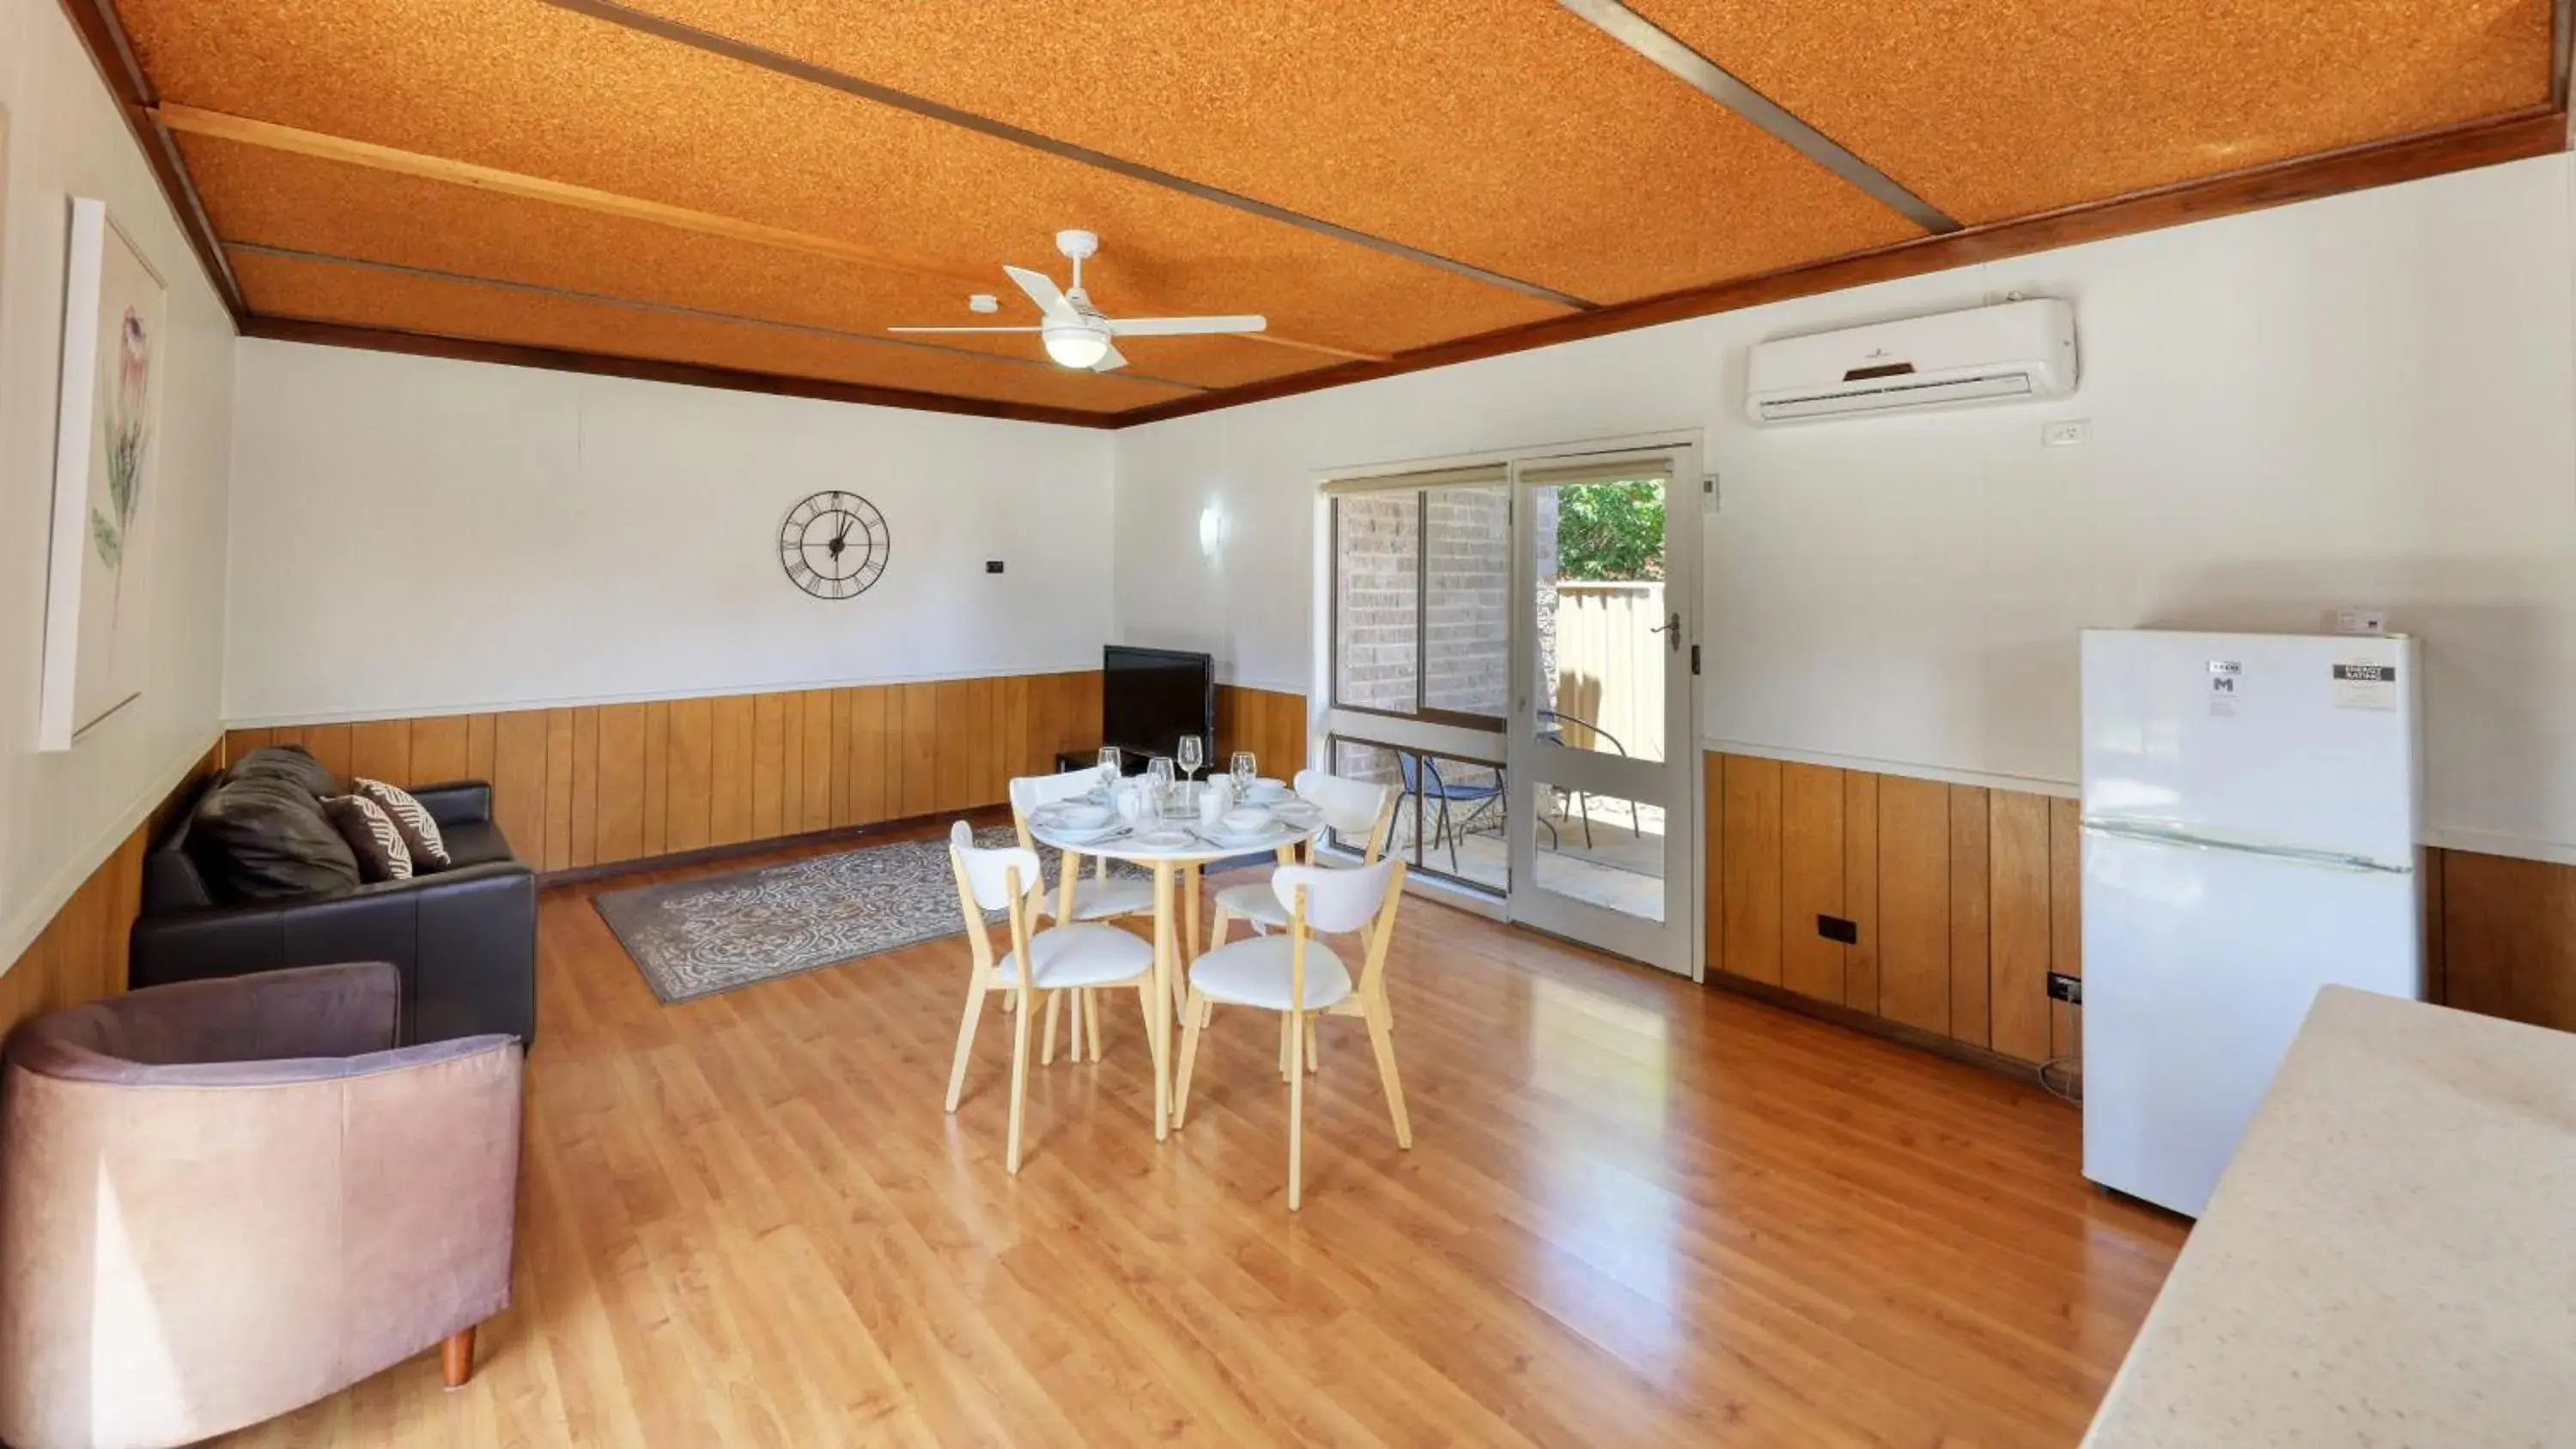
{"x": 1610, "y": 532}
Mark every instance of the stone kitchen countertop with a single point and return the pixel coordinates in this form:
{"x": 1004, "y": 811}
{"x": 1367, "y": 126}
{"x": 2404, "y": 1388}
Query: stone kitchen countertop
{"x": 2390, "y": 1258}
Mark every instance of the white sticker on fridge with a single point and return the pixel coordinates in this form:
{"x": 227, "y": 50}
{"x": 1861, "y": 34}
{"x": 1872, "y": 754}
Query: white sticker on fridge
{"x": 2359, "y": 684}
{"x": 2224, "y": 676}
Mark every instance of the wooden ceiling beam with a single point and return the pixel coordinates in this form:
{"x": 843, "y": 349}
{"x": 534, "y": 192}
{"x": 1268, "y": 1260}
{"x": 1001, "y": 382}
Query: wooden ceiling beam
{"x": 191, "y": 120}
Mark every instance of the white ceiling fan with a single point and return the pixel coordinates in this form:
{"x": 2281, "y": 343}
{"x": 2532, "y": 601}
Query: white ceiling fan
{"x": 1075, "y": 332}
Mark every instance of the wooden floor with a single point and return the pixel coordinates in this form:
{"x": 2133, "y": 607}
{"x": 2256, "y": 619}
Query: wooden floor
{"x": 1638, "y": 1212}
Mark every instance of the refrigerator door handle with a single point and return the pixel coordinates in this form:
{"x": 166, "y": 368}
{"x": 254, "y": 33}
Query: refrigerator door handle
{"x": 2150, "y": 832}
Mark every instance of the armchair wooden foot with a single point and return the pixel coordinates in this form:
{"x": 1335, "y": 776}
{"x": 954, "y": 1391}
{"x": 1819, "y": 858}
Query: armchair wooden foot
{"x": 456, "y": 1357}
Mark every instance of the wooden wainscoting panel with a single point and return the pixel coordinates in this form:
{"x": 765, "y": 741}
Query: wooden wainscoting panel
{"x": 954, "y": 704}
{"x": 2510, "y": 929}
{"x": 1914, "y": 902}
{"x": 729, "y": 773}
{"x": 330, "y": 744}
{"x": 519, "y": 780}
{"x": 2429, "y": 865}
{"x": 1860, "y": 889}
{"x": 1712, "y": 906}
{"x": 381, "y": 750}
{"x": 585, "y": 787}
{"x": 2020, "y": 924}
{"x": 2065, "y": 921}
{"x": 1270, "y": 723}
{"x": 868, "y": 756}
{"x": 919, "y": 766}
{"x": 791, "y": 761}
{"x": 482, "y": 742}
{"x": 1811, "y": 879}
{"x": 618, "y": 788}
{"x": 441, "y": 749}
{"x": 1753, "y": 868}
{"x": 689, "y": 798}
{"x": 820, "y": 761}
{"x": 1970, "y": 990}
{"x": 768, "y": 799}
{"x": 655, "y": 823}
{"x": 559, "y": 741}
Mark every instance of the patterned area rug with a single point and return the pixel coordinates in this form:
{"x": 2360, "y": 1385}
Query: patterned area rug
{"x": 695, "y": 938}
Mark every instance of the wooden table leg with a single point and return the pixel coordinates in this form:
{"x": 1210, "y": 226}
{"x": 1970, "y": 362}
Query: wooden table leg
{"x": 1189, "y": 951}
{"x": 1162, "y": 1027}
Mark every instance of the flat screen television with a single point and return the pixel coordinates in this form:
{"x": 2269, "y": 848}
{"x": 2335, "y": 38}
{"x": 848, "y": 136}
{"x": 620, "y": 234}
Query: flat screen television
{"x": 1149, "y": 698}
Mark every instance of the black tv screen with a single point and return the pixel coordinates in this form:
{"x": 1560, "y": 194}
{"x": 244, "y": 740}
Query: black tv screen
{"x": 1149, "y": 698}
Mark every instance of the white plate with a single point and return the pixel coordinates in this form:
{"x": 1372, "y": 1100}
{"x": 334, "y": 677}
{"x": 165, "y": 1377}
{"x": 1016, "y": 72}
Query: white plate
{"x": 1261, "y": 839}
{"x": 1266, "y": 792}
{"x": 1061, "y": 816}
{"x": 1168, "y": 837}
{"x": 1070, "y": 836}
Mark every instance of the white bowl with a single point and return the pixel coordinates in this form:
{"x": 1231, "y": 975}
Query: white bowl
{"x": 1085, "y": 817}
{"x": 1246, "y": 820}
{"x": 1266, "y": 790}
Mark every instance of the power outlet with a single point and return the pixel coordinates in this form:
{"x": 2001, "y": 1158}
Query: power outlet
{"x": 2361, "y": 620}
{"x": 2069, "y": 433}
{"x": 2069, "y": 989}
{"x": 1835, "y": 928}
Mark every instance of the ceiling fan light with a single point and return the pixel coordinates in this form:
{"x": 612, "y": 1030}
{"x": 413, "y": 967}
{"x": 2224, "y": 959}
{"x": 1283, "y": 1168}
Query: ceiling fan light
{"x": 1076, "y": 346}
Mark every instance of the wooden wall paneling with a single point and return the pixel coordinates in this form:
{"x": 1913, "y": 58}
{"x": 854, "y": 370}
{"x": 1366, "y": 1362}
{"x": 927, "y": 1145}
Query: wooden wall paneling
{"x": 2510, "y": 929}
{"x": 1752, "y": 892}
{"x": 1914, "y": 902}
{"x": 441, "y": 749}
{"x": 618, "y": 784}
{"x": 729, "y": 773}
{"x": 654, "y": 825}
{"x": 873, "y": 791}
{"x": 1712, "y": 906}
{"x": 791, "y": 761}
{"x": 2429, "y": 872}
{"x": 559, "y": 743}
{"x": 2019, "y": 922}
{"x": 482, "y": 738}
{"x": 816, "y": 812}
{"x": 381, "y": 750}
{"x": 689, "y": 799}
{"x": 1970, "y": 891}
{"x": 329, "y": 744}
{"x": 585, "y": 788}
{"x": 919, "y": 768}
{"x": 1811, "y": 879}
{"x": 1024, "y": 757}
{"x": 768, "y": 765}
{"x": 519, "y": 780}
{"x": 1081, "y": 720}
{"x": 991, "y": 752}
{"x": 842, "y": 810}
{"x": 2065, "y": 921}
{"x": 954, "y": 701}
{"x": 238, "y": 743}
{"x": 1860, "y": 889}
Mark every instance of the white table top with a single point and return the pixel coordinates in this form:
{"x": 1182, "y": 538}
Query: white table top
{"x": 2388, "y": 1259}
{"x": 1197, "y": 850}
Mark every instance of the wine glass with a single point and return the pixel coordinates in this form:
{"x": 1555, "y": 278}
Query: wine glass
{"x": 1193, "y": 756}
{"x": 1113, "y": 768}
{"x": 1158, "y": 780}
{"x": 1245, "y": 771}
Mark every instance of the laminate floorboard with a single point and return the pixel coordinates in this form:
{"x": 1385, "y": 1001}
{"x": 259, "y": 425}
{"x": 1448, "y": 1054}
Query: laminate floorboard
{"x": 1638, "y": 1212}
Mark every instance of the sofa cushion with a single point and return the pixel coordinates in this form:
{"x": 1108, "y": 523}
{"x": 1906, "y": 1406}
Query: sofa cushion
{"x": 286, "y": 762}
{"x": 263, "y": 836}
{"x": 419, "y": 831}
{"x": 372, "y": 838}
{"x": 476, "y": 842}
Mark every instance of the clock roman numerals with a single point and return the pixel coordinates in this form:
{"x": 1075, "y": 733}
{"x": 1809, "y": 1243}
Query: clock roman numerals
{"x": 833, "y": 545}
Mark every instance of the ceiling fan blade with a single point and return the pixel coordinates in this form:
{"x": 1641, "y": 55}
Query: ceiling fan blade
{"x": 963, "y": 329}
{"x": 1185, "y": 326}
{"x": 1043, "y": 291}
{"x": 1110, "y": 360}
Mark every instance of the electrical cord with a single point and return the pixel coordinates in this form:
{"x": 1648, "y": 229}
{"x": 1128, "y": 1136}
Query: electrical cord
{"x": 2073, "y": 1091}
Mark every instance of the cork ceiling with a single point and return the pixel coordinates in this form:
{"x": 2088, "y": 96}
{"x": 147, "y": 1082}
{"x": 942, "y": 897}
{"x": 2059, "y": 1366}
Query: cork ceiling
{"x": 751, "y": 192}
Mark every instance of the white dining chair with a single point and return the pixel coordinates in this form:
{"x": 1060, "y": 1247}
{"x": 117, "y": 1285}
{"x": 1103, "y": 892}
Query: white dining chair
{"x": 1084, "y": 955}
{"x": 1354, "y": 810}
{"x": 1096, "y": 897}
{"x": 1300, "y": 977}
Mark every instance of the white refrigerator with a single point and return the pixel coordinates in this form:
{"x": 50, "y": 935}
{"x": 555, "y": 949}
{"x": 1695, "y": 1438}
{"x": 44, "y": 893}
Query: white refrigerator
{"x": 2249, "y": 836}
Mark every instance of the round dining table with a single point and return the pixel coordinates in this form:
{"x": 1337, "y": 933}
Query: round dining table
{"x": 1176, "y": 863}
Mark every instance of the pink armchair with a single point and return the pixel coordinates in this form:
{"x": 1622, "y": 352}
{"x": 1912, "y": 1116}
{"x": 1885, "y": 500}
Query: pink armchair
{"x": 221, "y": 1200}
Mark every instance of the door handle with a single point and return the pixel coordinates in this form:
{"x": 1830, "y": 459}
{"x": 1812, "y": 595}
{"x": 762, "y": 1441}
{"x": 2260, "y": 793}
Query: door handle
{"x": 1671, "y": 629}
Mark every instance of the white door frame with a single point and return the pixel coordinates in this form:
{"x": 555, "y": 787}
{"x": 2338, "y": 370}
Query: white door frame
{"x": 1685, "y": 552}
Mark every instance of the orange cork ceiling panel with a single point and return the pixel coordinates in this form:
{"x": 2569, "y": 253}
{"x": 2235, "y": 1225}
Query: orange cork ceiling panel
{"x": 1518, "y": 138}
{"x": 366, "y": 296}
{"x": 534, "y": 89}
{"x": 307, "y": 204}
{"x": 2009, "y": 107}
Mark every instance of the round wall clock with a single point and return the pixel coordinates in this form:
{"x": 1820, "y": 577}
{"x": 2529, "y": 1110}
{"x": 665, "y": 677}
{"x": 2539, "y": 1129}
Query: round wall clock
{"x": 834, "y": 544}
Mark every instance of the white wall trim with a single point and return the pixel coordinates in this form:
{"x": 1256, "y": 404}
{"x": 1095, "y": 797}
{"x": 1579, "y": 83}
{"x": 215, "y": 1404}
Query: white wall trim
{"x": 442, "y": 711}
{"x": 2061, "y": 789}
{"x": 21, "y": 930}
{"x": 2482, "y": 842}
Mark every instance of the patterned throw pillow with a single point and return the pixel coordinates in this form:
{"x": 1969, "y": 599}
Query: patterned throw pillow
{"x": 372, "y": 838}
{"x": 419, "y": 832}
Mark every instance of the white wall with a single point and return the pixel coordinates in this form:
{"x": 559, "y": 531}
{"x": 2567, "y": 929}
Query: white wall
{"x": 2361, "y": 400}
{"x": 61, "y": 814}
{"x": 414, "y": 536}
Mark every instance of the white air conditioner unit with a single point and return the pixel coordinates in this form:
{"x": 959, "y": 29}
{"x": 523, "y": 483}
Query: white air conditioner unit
{"x": 2004, "y": 353}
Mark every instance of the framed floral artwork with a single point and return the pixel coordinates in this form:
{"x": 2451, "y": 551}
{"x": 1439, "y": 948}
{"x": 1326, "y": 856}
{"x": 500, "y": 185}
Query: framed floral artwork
{"x": 106, "y": 442}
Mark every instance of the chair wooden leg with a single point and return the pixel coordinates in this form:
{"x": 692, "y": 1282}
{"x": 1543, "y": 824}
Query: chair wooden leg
{"x": 1193, "y": 1017}
{"x": 1091, "y": 1014}
{"x": 965, "y": 1042}
{"x": 1287, "y": 1053}
{"x": 1216, "y": 933}
{"x": 1383, "y": 1043}
{"x": 1296, "y": 1122}
{"x": 1046, "y": 1052}
{"x": 456, "y": 1357}
{"x": 1314, "y": 1063}
{"x": 1019, "y": 1082}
